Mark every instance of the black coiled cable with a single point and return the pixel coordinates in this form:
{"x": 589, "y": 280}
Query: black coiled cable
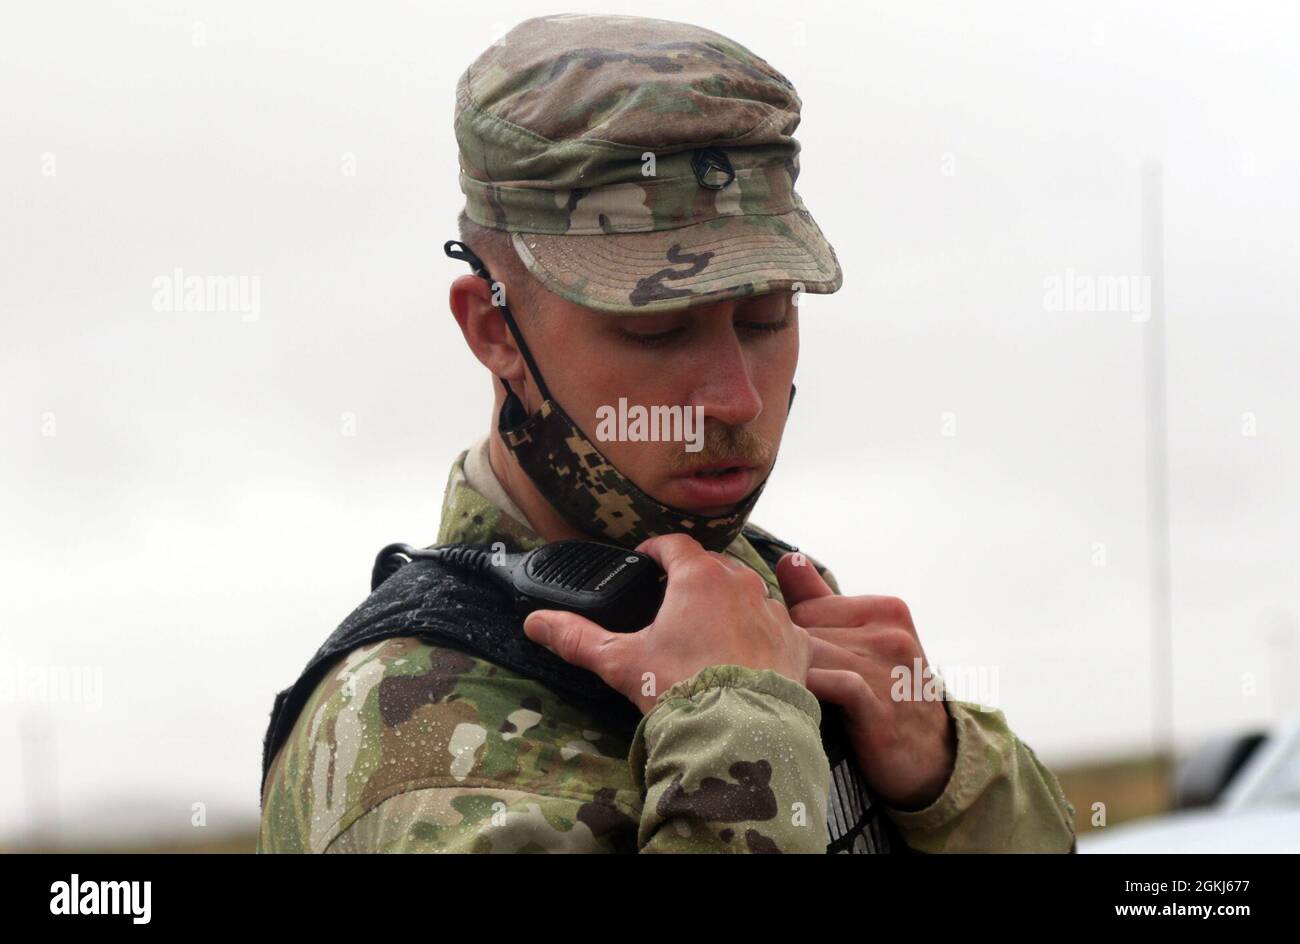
{"x": 396, "y": 556}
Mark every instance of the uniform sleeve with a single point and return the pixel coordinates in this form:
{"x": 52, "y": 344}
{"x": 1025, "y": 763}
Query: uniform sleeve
{"x": 407, "y": 747}
{"x": 490, "y": 820}
{"x": 1000, "y": 797}
{"x": 731, "y": 760}
{"x": 410, "y": 747}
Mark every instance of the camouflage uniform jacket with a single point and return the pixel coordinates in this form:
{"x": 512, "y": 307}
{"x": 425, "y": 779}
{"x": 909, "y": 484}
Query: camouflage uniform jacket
{"x": 411, "y": 747}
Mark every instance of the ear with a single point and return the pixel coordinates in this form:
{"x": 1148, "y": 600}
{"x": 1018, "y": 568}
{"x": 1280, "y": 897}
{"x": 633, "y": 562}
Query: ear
{"x": 484, "y": 328}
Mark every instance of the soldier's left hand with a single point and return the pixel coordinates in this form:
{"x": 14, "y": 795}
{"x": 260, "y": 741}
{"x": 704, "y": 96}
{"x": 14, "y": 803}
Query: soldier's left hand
{"x": 905, "y": 748}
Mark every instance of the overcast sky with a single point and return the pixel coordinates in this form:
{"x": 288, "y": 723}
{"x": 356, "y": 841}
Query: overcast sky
{"x": 190, "y": 501}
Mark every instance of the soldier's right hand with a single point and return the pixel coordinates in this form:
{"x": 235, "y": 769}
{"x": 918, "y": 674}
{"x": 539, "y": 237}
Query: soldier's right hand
{"x": 716, "y": 611}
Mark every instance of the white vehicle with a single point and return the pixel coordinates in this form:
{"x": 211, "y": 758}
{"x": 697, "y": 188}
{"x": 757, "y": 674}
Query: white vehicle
{"x": 1257, "y": 811}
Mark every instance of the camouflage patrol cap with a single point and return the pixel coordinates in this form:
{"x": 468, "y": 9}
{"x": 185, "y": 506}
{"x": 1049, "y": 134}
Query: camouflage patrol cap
{"x": 640, "y": 165}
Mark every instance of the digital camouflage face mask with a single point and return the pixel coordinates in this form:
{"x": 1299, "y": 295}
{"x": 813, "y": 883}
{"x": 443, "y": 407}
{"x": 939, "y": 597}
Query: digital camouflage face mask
{"x": 577, "y": 479}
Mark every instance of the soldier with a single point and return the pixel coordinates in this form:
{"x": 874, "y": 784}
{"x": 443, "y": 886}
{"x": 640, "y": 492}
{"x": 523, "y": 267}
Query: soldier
{"x": 634, "y": 231}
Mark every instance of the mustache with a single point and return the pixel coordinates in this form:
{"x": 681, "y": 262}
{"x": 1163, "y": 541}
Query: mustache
{"x": 722, "y": 443}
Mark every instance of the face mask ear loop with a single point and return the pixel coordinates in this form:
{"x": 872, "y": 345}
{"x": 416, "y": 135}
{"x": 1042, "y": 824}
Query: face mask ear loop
{"x": 458, "y": 250}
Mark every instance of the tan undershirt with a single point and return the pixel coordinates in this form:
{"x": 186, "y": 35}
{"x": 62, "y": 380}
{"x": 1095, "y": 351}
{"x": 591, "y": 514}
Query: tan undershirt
{"x": 481, "y": 478}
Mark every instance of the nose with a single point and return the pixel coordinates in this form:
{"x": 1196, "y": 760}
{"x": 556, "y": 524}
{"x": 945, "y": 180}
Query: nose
{"x": 728, "y": 394}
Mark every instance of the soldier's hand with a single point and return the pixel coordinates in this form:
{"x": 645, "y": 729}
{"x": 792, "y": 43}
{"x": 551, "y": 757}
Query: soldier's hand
{"x": 716, "y": 611}
{"x": 906, "y": 749}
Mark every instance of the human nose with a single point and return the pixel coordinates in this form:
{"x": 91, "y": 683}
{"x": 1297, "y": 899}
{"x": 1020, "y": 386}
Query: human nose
{"x": 728, "y": 395}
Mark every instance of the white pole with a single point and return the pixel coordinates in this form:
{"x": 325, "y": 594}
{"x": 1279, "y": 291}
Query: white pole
{"x": 1157, "y": 437}
{"x": 36, "y": 736}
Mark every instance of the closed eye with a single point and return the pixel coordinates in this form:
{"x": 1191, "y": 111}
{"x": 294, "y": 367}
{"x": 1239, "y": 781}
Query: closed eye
{"x": 765, "y": 327}
{"x": 661, "y": 338}
{"x": 652, "y": 340}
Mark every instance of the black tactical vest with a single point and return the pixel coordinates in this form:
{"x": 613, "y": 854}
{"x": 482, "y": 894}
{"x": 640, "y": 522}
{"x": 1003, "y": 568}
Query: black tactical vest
{"x": 457, "y": 609}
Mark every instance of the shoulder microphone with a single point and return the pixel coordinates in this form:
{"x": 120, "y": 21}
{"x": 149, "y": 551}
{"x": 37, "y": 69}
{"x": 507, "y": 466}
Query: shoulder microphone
{"x": 619, "y": 589}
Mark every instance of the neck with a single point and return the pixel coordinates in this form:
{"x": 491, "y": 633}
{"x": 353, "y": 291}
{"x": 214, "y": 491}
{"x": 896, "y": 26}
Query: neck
{"x": 542, "y": 517}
